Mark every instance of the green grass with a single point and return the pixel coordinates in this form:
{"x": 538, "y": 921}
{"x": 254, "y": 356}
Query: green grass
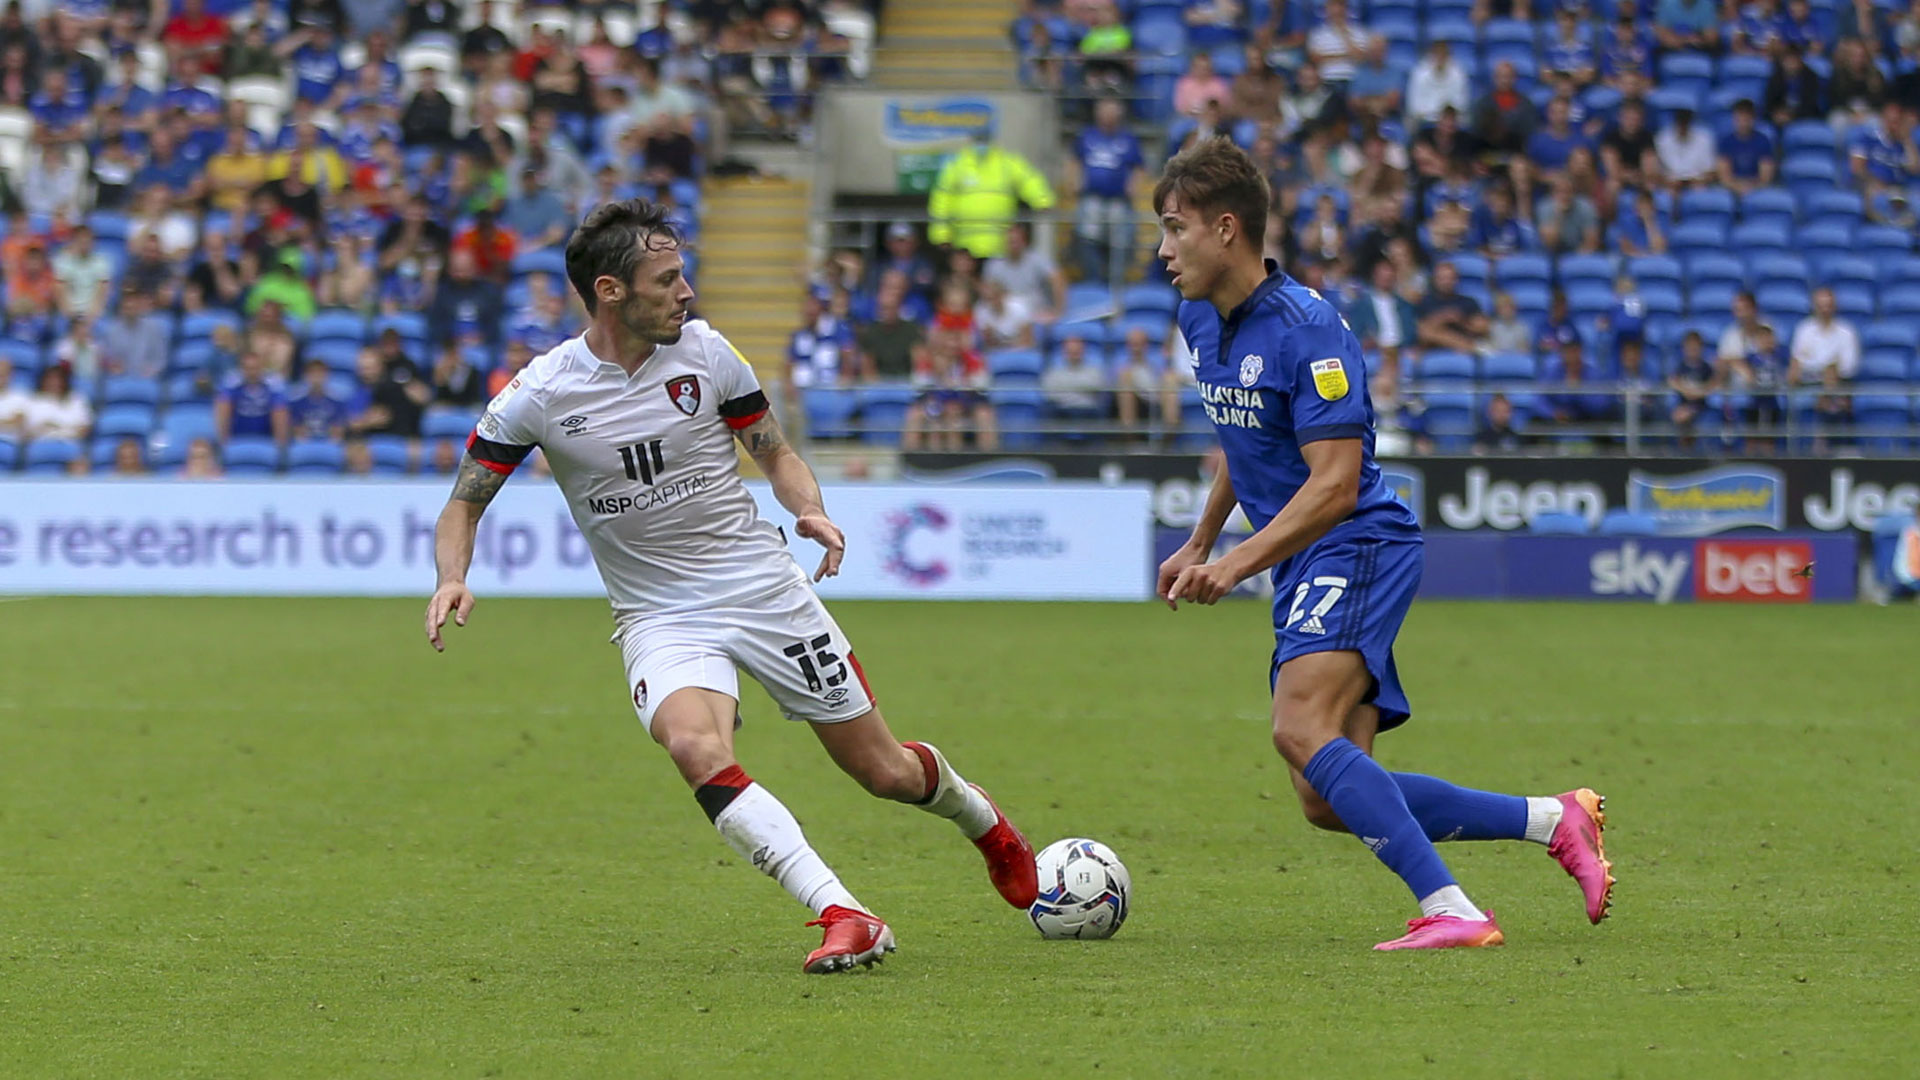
{"x": 283, "y": 839}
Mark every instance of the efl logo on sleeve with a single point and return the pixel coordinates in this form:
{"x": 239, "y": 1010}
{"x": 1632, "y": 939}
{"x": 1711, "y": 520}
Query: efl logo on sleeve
{"x": 1329, "y": 378}
{"x": 1753, "y": 571}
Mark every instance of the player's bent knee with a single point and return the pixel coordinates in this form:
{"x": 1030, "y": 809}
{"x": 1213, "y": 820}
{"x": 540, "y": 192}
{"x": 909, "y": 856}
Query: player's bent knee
{"x": 1297, "y": 742}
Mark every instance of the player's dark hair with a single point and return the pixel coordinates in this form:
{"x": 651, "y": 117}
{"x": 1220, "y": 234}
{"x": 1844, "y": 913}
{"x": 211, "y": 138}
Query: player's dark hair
{"x": 1217, "y": 177}
{"x": 611, "y": 242}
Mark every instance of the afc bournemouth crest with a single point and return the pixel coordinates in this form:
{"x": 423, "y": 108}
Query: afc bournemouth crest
{"x": 640, "y": 695}
{"x": 685, "y": 392}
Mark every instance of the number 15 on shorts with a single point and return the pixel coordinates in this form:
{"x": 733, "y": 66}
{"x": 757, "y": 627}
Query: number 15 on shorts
{"x": 814, "y": 657}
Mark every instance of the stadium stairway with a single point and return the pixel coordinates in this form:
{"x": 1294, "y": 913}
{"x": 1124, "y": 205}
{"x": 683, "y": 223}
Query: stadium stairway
{"x": 943, "y": 45}
{"x": 753, "y": 264}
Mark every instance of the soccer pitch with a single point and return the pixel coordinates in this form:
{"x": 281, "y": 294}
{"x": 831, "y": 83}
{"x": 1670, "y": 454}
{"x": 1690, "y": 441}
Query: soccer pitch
{"x": 279, "y": 838}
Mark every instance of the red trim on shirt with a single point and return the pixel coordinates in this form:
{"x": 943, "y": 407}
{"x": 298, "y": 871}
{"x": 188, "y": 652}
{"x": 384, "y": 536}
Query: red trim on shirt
{"x": 738, "y": 423}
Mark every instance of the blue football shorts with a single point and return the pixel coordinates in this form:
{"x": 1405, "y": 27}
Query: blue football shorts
{"x": 1349, "y": 595}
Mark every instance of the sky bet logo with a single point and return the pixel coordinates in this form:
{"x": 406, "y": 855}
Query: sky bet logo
{"x": 1723, "y": 571}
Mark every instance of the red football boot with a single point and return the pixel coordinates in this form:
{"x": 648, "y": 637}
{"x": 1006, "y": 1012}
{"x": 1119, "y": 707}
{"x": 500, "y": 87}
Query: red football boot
{"x": 1009, "y": 859}
{"x": 853, "y": 938}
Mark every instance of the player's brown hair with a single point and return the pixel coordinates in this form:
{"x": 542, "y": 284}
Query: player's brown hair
{"x": 611, "y": 242}
{"x": 1217, "y": 177}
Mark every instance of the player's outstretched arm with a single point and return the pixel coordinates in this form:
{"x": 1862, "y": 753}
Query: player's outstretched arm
{"x": 1331, "y": 492}
{"x": 474, "y": 486}
{"x": 797, "y": 489}
{"x": 1206, "y": 531}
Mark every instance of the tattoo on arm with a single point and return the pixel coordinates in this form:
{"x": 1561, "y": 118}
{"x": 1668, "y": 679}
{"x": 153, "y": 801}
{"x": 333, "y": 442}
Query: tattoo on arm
{"x": 763, "y": 437}
{"x": 475, "y": 483}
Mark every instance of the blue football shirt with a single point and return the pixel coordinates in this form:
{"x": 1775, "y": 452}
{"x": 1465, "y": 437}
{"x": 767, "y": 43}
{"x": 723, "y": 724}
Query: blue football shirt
{"x": 1283, "y": 370}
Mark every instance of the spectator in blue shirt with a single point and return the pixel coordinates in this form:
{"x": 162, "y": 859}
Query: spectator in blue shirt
{"x": 1496, "y": 231}
{"x": 1746, "y": 153}
{"x": 1107, "y": 160}
{"x": 1570, "y": 49}
{"x": 1883, "y": 152}
{"x": 1627, "y": 52}
{"x": 1375, "y": 89}
{"x": 1551, "y": 146}
{"x": 59, "y": 108}
{"x": 1640, "y": 232}
{"x": 1799, "y": 30}
{"x": 1573, "y": 401}
{"x": 1687, "y": 24}
{"x": 165, "y": 168}
{"x": 317, "y": 71}
{"x": 1759, "y": 375}
{"x": 312, "y": 411}
{"x": 250, "y": 405}
{"x": 1627, "y": 319}
{"x": 536, "y": 215}
{"x": 1556, "y": 329}
{"x": 183, "y": 91}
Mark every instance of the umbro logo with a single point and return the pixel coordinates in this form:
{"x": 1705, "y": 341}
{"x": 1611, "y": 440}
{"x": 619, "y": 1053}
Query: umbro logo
{"x": 574, "y": 424}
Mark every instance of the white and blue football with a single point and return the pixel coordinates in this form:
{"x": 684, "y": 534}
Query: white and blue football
{"x": 1084, "y": 890}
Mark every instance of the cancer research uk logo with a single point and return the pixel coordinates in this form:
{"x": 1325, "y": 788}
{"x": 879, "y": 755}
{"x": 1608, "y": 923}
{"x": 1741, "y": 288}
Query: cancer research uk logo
{"x": 901, "y": 527}
{"x": 926, "y": 546}
{"x": 1711, "y": 501}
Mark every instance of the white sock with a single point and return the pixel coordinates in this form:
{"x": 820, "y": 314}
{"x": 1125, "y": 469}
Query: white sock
{"x": 956, "y": 800}
{"x": 765, "y": 834}
{"x": 1451, "y": 901}
{"x": 1543, "y": 816}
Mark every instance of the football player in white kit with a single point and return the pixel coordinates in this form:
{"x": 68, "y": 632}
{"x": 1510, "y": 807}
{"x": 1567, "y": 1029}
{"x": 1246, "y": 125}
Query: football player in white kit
{"x": 637, "y": 419}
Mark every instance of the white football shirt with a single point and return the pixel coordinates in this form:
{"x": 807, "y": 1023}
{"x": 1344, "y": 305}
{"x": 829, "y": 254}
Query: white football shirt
{"x": 649, "y": 469}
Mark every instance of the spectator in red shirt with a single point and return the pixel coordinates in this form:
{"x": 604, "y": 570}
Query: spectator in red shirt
{"x": 195, "y": 32}
{"x": 491, "y": 246}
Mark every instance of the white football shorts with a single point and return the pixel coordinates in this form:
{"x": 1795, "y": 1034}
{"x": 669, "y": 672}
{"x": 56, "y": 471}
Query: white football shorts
{"x": 786, "y": 641}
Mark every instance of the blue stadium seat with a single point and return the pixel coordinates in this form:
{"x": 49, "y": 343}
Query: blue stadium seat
{"x": 1885, "y": 365}
{"x": 1148, "y": 298}
{"x": 104, "y": 450}
{"x": 1898, "y": 269}
{"x": 1663, "y": 101}
{"x": 250, "y": 457}
{"x": 883, "y": 411}
{"x": 337, "y": 323}
{"x": 1808, "y": 172}
{"x": 1015, "y": 364}
{"x": 1835, "y": 204}
{"x": 316, "y": 457}
{"x": 411, "y": 325}
{"x": 1850, "y": 269}
{"x": 1589, "y": 298}
{"x": 543, "y": 261}
{"x": 9, "y": 455}
{"x": 1457, "y": 32}
{"x": 1883, "y": 422}
{"x": 1779, "y": 269}
{"x": 1716, "y": 266}
{"x": 1509, "y": 31}
{"x": 129, "y": 390}
{"x": 1902, "y": 302}
{"x": 1822, "y": 242}
{"x": 1161, "y": 31}
{"x": 1507, "y": 367}
{"x": 1808, "y": 137}
{"x": 1854, "y": 301}
{"x": 1450, "y": 420}
{"x": 186, "y": 386}
{"x": 1646, "y": 268}
{"x": 191, "y": 356}
{"x": 1440, "y": 365}
{"x": 118, "y": 421}
{"x": 25, "y": 358}
{"x": 1710, "y": 297}
{"x": 1228, "y": 60}
{"x": 201, "y": 324}
{"x": 1523, "y": 267}
{"x": 390, "y": 453}
{"x": 448, "y": 422}
{"x": 1890, "y": 335}
{"x": 1095, "y": 332}
{"x": 1620, "y": 521}
{"x": 1751, "y": 237}
{"x": 1531, "y": 298}
{"x": 337, "y": 353}
{"x": 1696, "y": 237}
{"x": 1019, "y": 414}
{"x": 1154, "y": 325}
{"x": 1877, "y": 241}
{"x": 1662, "y": 298}
{"x": 1779, "y": 302}
{"x": 1087, "y": 300}
{"x": 1737, "y": 67}
{"x": 45, "y": 456}
{"x": 1474, "y": 269}
{"x": 184, "y": 422}
{"x": 1559, "y": 524}
{"x": 829, "y": 412}
{"x": 1577, "y": 269}
{"x": 1709, "y": 204}
{"x": 1770, "y": 205}
{"x": 109, "y": 225}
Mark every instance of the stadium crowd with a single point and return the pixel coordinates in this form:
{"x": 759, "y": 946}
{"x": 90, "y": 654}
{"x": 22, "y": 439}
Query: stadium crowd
{"x": 317, "y": 234}
{"x": 1543, "y": 220}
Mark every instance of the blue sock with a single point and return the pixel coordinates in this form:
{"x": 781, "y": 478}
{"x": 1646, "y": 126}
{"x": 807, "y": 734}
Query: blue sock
{"x": 1370, "y": 803}
{"x": 1447, "y": 812}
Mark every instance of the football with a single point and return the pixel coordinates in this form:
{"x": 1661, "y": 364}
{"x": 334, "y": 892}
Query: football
{"x": 1084, "y": 890}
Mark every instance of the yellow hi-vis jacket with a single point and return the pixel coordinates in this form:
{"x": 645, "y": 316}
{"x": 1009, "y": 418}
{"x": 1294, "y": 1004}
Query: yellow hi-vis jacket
{"x": 976, "y": 195}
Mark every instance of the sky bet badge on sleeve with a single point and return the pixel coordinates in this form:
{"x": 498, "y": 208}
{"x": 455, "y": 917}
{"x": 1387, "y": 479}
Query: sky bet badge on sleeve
{"x": 1330, "y": 379}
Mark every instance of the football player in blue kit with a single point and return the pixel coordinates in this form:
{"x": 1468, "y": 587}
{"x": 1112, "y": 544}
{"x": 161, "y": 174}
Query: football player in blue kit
{"x": 1285, "y": 385}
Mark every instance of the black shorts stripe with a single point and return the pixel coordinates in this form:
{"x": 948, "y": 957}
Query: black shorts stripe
{"x": 745, "y": 405}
